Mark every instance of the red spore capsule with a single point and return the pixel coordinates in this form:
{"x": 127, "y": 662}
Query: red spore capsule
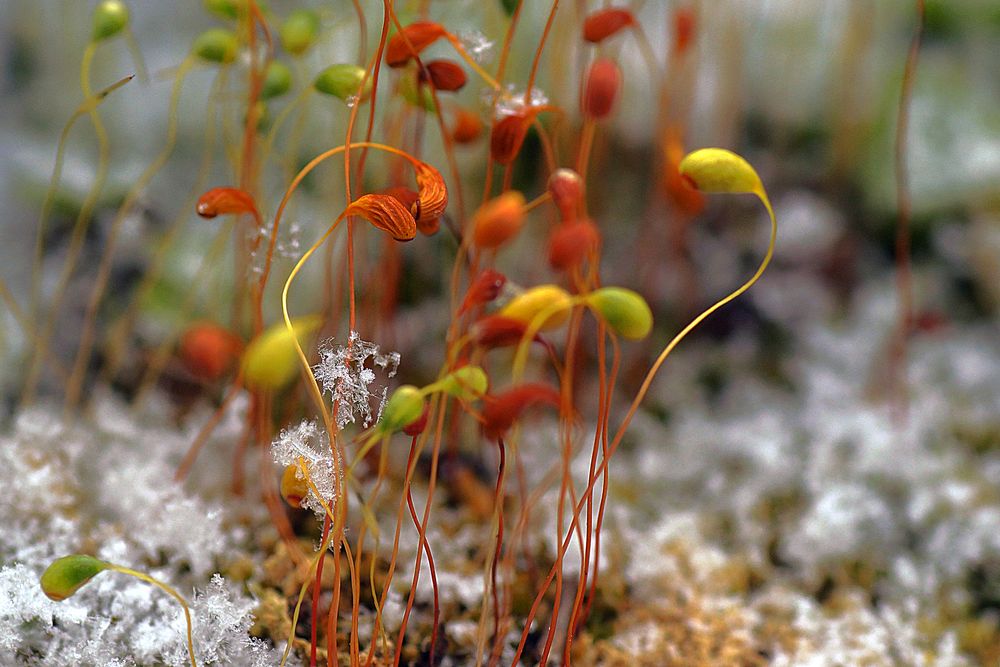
{"x": 222, "y": 201}
{"x": 604, "y": 81}
{"x": 571, "y": 243}
{"x": 606, "y": 22}
{"x": 421, "y": 34}
{"x": 443, "y": 75}
{"x": 483, "y": 289}
{"x": 508, "y": 136}
{"x": 500, "y": 411}
{"x": 208, "y": 350}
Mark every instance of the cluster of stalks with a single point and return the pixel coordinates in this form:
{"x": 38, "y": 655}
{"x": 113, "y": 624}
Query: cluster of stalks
{"x": 553, "y": 333}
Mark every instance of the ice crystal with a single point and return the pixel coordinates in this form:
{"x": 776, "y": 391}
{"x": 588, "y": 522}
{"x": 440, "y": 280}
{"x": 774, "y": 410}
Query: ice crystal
{"x": 347, "y": 373}
{"x": 308, "y": 444}
{"x": 477, "y": 45}
{"x": 510, "y": 100}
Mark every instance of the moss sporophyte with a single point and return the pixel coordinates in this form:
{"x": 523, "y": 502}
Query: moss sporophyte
{"x": 482, "y": 258}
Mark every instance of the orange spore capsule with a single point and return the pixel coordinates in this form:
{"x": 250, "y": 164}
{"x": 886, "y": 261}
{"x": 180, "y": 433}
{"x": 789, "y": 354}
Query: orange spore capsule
{"x": 484, "y": 288}
{"x": 508, "y": 136}
{"x": 208, "y": 350}
{"x": 500, "y": 411}
{"x": 680, "y": 189}
{"x": 411, "y": 200}
{"x": 385, "y": 212}
{"x": 571, "y": 243}
{"x": 467, "y": 128}
{"x": 498, "y": 220}
{"x": 444, "y": 75}
{"x": 432, "y": 193}
{"x": 222, "y": 201}
{"x": 604, "y": 82}
{"x": 566, "y": 189}
{"x": 421, "y": 35}
{"x": 684, "y": 29}
{"x": 606, "y": 22}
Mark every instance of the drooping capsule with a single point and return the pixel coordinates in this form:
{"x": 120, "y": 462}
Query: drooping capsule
{"x": 385, "y": 212}
{"x": 606, "y": 22}
{"x": 419, "y": 34}
{"x": 64, "y": 576}
{"x": 532, "y": 303}
{"x": 500, "y": 411}
{"x": 270, "y": 361}
{"x": 624, "y": 311}
{"x": 717, "y": 170}
{"x": 343, "y": 81}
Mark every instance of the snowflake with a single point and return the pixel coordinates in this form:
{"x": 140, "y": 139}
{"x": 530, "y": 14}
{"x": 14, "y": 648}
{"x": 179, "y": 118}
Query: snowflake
{"x": 309, "y": 444}
{"x": 347, "y": 373}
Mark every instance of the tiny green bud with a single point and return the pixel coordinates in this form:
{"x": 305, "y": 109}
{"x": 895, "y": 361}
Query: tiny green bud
{"x": 467, "y": 383}
{"x": 66, "y": 575}
{"x": 343, "y": 81}
{"x": 216, "y": 46}
{"x": 404, "y": 406}
{"x": 624, "y": 311}
{"x": 718, "y": 170}
{"x": 270, "y": 360}
{"x": 227, "y": 9}
{"x": 277, "y": 80}
{"x": 110, "y": 18}
{"x": 299, "y": 31}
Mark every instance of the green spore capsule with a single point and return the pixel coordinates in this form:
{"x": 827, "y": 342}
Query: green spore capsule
{"x": 342, "y": 81}
{"x": 110, "y": 18}
{"x": 66, "y": 575}
{"x": 404, "y": 407}
{"x": 216, "y": 46}
{"x": 466, "y": 383}
{"x": 277, "y": 80}
{"x": 299, "y": 31}
{"x": 624, "y": 311}
{"x": 227, "y": 9}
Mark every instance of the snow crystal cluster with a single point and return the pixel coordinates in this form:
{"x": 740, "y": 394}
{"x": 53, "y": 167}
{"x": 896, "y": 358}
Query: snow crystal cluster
{"x": 308, "y": 445}
{"x": 347, "y": 372}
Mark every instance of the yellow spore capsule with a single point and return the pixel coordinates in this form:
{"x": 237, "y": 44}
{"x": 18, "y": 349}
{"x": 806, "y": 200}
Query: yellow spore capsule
{"x": 533, "y": 302}
{"x": 294, "y": 487}
{"x": 271, "y": 362}
{"x": 624, "y": 311}
{"x": 719, "y": 170}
